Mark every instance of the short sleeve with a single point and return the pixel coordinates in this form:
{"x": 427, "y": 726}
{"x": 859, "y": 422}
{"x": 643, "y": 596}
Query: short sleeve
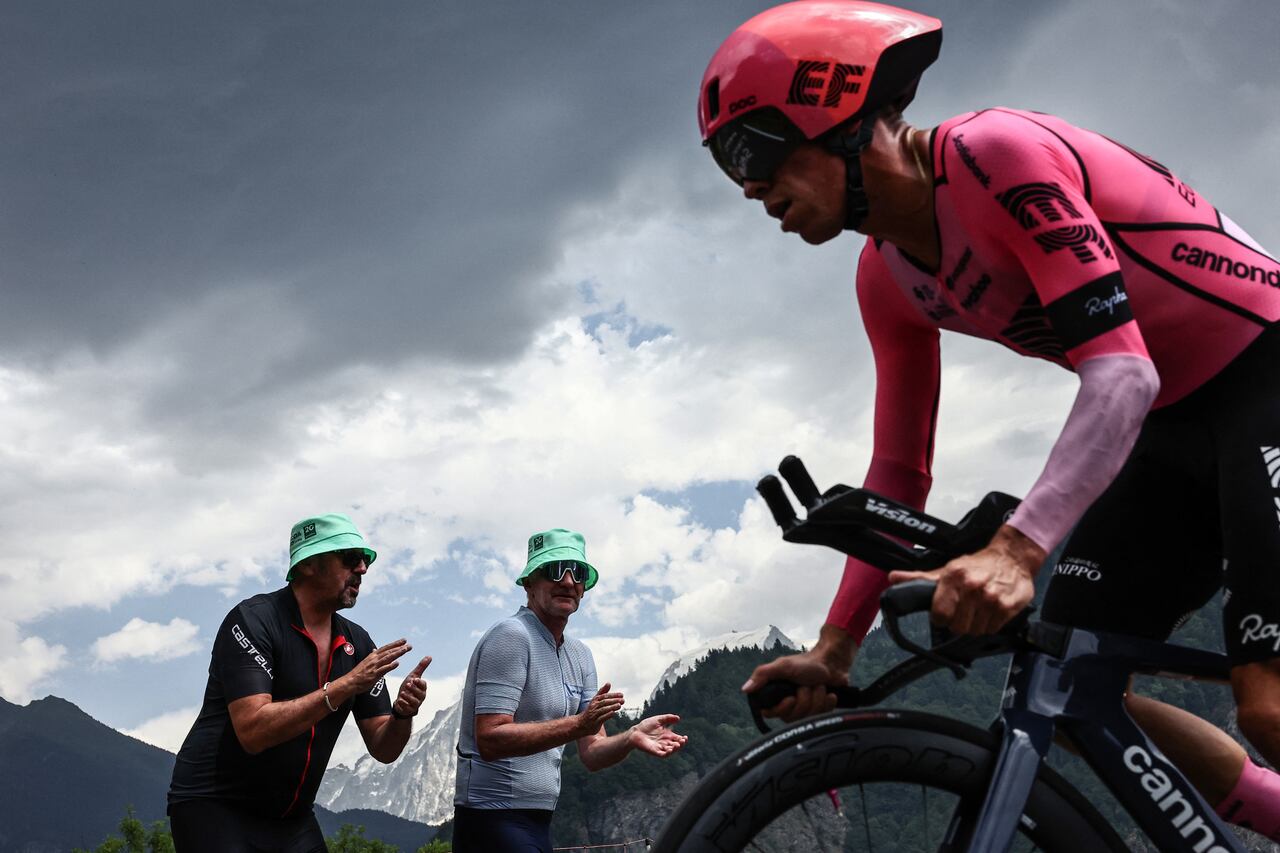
{"x": 502, "y": 669}
{"x": 243, "y": 655}
{"x": 590, "y": 681}
{"x": 376, "y": 701}
{"x": 1036, "y": 205}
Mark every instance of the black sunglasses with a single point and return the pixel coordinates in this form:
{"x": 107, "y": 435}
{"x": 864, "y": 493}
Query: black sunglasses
{"x": 556, "y": 569}
{"x": 353, "y": 557}
{"x": 751, "y": 148}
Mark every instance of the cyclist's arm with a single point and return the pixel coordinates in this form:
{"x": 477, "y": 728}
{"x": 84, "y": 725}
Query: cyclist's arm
{"x": 906, "y": 354}
{"x": 1037, "y": 206}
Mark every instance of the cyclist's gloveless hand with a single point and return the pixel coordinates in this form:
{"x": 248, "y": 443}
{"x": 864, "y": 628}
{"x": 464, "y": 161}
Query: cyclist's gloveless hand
{"x": 978, "y": 593}
{"x": 827, "y": 663}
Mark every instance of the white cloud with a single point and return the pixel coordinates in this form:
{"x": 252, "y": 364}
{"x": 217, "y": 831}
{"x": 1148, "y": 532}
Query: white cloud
{"x": 168, "y": 730}
{"x": 25, "y": 662}
{"x": 148, "y": 640}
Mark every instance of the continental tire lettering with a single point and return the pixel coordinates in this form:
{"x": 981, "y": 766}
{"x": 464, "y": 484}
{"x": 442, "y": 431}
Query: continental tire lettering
{"x": 901, "y": 516}
{"x": 1180, "y": 811}
{"x": 1047, "y": 200}
{"x": 1194, "y": 256}
{"x": 1080, "y": 239}
{"x": 250, "y": 649}
{"x": 811, "y": 76}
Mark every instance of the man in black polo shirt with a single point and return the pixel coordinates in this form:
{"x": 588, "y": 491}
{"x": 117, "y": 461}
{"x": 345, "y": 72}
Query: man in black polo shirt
{"x": 285, "y": 672}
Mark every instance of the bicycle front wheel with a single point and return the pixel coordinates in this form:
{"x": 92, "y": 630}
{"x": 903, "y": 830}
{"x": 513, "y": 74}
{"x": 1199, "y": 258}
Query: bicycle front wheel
{"x": 905, "y": 781}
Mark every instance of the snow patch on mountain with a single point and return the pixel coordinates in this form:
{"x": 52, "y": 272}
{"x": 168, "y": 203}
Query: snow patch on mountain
{"x": 418, "y": 786}
{"x": 764, "y": 638}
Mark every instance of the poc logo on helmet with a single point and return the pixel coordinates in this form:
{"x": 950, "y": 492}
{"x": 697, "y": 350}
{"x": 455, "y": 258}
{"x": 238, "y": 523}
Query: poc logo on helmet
{"x": 831, "y": 78}
{"x": 742, "y": 104}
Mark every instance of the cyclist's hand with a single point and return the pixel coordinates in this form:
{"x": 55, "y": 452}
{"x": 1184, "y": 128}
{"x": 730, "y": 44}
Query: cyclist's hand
{"x": 376, "y": 664}
{"x": 827, "y": 663}
{"x": 980, "y": 592}
{"x": 602, "y": 706}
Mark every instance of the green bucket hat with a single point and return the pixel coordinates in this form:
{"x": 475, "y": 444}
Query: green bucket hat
{"x": 322, "y": 534}
{"x": 558, "y": 544}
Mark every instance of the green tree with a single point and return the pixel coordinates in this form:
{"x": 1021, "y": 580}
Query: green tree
{"x": 350, "y": 839}
{"x": 437, "y": 846}
{"x": 137, "y": 838}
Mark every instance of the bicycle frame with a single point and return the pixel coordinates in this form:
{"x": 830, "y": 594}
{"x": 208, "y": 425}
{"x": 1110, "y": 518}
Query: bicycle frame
{"x": 1060, "y": 679}
{"x": 1080, "y": 693}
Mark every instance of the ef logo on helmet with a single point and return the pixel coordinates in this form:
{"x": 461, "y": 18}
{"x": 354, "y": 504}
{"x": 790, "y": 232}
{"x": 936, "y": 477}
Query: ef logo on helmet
{"x": 831, "y": 78}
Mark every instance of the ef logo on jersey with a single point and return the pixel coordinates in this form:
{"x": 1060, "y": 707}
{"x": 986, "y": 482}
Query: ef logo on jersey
{"x": 832, "y": 79}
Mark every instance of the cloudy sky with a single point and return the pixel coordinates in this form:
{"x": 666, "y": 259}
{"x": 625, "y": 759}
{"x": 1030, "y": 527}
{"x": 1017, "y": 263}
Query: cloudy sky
{"x": 463, "y": 271}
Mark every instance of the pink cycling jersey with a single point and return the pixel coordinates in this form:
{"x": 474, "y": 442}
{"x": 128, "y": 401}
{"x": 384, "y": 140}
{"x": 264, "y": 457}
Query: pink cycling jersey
{"x": 1061, "y": 244}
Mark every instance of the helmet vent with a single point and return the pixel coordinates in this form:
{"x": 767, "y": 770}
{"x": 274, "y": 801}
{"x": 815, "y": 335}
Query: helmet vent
{"x": 713, "y": 100}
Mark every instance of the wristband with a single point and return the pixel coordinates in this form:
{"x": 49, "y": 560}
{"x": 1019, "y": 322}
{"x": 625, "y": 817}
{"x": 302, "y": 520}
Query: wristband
{"x": 325, "y": 691}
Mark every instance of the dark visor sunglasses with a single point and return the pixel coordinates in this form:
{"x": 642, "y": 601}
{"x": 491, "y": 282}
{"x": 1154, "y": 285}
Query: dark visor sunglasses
{"x": 353, "y": 557}
{"x": 555, "y": 570}
{"x": 751, "y": 148}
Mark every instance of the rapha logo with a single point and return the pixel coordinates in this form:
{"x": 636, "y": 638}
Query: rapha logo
{"x": 1099, "y": 304}
{"x": 1255, "y": 630}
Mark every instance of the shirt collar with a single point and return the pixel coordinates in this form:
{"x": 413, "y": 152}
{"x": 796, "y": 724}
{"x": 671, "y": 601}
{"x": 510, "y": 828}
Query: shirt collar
{"x": 531, "y": 618}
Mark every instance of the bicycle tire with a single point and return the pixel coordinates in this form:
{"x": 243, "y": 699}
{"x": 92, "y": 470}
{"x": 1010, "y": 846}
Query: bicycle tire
{"x": 748, "y": 790}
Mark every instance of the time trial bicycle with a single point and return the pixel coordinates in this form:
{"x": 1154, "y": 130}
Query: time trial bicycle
{"x": 937, "y": 784}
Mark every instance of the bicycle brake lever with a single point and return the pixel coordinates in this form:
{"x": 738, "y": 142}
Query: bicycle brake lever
{"x": 914, "y": 597}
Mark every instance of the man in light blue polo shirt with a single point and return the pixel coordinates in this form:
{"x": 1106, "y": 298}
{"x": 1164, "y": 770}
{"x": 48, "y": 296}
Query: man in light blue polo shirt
{"x": 530, "y": 690}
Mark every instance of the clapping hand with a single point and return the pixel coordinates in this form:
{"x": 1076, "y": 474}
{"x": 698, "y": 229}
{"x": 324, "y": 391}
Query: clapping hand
{"x": 654, "y": 735}
{"x": 602, "y": 706}
{"x": 413, "y": 690}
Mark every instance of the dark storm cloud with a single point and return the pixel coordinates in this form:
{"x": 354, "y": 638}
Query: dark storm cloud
{"x": 398, "y": 170}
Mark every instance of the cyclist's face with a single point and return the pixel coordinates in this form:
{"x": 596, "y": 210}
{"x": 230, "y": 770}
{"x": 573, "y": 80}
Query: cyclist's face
{"x": 557, "y": 599}
{"x": 806, "y": 193}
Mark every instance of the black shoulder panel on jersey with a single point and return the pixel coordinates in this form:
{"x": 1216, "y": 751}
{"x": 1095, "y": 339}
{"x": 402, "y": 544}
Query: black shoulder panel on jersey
{"x": 1090, "y": 310}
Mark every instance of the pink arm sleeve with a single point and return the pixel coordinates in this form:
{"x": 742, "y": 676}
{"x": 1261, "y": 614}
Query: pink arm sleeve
{"x": 1116, "y": 391}
{"x": 1037, "y": 207}
{"x": 907, "y": 378}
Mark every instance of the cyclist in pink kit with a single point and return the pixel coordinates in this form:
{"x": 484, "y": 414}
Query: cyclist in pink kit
{"x": 1061, "y": 244}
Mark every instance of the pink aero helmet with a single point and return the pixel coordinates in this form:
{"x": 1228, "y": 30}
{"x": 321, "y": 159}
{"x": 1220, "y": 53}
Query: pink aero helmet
{"x": 797, "y": 71}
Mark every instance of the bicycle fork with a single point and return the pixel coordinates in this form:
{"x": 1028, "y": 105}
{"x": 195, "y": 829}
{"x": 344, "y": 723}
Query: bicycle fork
{"x": 1034, "y": 694}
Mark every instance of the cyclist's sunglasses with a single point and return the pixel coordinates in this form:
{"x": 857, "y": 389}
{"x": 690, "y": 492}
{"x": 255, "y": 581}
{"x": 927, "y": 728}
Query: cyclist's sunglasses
{"x": 353, "y": 557}
{"x": 555, "y": 570}
{"x": 751, "y": 148}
